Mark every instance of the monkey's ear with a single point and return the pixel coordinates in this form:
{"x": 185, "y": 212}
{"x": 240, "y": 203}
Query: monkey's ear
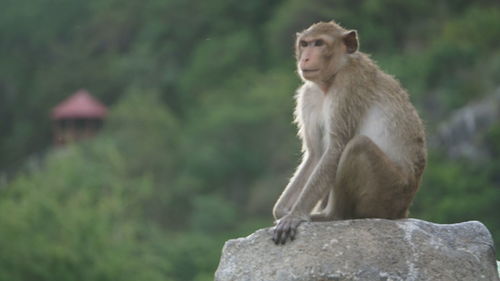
{"x": 350, "y": 39}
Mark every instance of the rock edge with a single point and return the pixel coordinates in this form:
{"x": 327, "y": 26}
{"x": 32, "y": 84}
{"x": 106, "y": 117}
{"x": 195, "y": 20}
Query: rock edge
{"x": 367, "y": 249}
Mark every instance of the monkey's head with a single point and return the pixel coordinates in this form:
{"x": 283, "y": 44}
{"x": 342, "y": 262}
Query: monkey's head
{"x": 322, "y": 49}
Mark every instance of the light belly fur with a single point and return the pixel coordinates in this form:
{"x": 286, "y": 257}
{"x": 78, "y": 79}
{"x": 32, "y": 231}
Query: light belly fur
{"x": 376, "y": 126}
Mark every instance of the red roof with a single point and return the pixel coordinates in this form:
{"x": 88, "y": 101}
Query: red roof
{"x": 79, "y": 105}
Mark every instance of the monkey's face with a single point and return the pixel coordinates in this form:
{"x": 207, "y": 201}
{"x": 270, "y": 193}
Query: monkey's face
{"x": 321, "y": 51}
{"x": 313, "y": 56}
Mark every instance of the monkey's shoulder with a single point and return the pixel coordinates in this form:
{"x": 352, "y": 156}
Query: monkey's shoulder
{"x": 309, "y": 95}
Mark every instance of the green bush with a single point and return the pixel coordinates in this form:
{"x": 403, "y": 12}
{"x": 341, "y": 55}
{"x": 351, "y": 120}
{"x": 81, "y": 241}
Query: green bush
{"x": 75, "y": 219}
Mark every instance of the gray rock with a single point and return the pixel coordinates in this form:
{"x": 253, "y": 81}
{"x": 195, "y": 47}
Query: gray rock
{"x": 457, "y": 136}
{"x": 369, "y": 249}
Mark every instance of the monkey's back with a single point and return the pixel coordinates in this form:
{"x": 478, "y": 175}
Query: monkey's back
{"x": 393, "y": 122}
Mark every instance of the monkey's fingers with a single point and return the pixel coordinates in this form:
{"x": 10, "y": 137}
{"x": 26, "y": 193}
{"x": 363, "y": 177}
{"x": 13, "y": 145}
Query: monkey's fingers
{"x": 293, "y": 232}
{"x": 286, "y": 232}
{"x": 276, "y": 235}
{"x": 281, "y": 232}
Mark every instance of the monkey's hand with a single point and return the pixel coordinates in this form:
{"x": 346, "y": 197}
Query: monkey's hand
{"x": 286, "y": 227}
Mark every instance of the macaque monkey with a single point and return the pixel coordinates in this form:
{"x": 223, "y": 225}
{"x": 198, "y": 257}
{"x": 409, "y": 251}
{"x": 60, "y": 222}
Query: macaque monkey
{"x": 364, "y": 148}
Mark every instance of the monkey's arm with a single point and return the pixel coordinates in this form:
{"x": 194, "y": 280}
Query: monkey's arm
{"x": 292, "y": 191}
{"x": 319, "y": 183}
{"x": 316, "y": 188}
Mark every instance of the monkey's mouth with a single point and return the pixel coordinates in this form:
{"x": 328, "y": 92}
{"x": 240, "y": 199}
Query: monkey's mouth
{"x": 309, "y": 70}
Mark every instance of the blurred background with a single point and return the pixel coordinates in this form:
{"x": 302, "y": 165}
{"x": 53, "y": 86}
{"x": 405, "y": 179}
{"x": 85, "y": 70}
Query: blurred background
{"x": 183, "y": 136}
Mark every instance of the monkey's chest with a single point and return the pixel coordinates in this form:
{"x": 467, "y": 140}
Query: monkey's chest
{"x": 318, "y": 123}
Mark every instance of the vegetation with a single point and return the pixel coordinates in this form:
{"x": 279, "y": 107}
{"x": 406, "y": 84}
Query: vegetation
{"x": 199, "y": 141}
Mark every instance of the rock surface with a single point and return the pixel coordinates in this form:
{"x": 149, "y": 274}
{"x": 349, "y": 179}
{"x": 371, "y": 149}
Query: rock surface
{"x": 369, "y": 249}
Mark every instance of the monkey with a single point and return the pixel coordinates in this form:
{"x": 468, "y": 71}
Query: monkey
{"x": 363, "y": 142}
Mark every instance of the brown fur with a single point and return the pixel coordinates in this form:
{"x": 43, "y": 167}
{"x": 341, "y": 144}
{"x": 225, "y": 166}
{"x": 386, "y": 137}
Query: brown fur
{"x": 363, "y": 141}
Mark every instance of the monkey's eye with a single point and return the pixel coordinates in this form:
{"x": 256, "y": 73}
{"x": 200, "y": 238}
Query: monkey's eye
{"x": 319, "y": 43}
{"x": 303, "y": 43}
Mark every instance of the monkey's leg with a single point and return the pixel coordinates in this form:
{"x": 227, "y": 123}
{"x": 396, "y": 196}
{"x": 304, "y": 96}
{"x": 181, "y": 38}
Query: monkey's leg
{"x": 322, "y": 204}
{"x": 325, "y": 210}
{"x": 369, "y": 184}
{"x": 293, "y": 189}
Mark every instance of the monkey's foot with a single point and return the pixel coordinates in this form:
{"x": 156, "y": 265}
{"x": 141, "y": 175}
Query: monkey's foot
{"x": 286, "y": 228}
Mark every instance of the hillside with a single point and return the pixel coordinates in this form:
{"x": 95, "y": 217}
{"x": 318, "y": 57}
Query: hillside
{"x": 199, "y": 141}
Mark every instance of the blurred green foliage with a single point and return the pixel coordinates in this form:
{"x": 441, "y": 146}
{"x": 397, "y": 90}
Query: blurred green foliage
{"x": 199, "y": 141}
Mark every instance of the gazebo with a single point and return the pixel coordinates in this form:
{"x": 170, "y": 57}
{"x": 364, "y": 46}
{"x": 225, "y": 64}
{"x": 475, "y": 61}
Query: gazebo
{"x": 78, "y": 117}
